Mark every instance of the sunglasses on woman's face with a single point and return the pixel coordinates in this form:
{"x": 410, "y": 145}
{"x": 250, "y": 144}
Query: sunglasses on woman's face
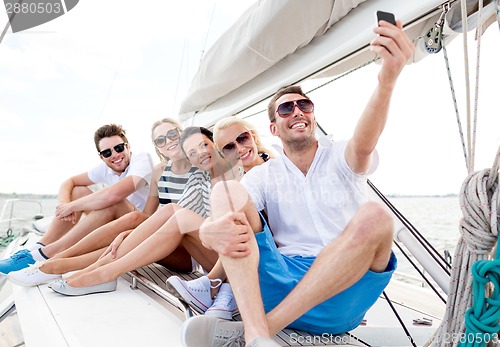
{"x": 172, "y": 134}
{"x": 230, "y": 148}
{"x": 285, "y": 109}
{"x": 106, "y": 153}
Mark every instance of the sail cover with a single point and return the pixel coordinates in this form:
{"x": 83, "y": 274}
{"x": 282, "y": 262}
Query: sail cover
{"x": 281, "y": 42}
{"x": 245, "y": 49}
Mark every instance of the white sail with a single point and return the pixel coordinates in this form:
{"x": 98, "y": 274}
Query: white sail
{"x": 270, "y": 46}
{"x": 246, "y": 49}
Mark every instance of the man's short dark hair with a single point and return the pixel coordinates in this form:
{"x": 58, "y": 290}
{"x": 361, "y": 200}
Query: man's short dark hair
{"x": 294, "y": 89}
{"x": 108, "y": 130}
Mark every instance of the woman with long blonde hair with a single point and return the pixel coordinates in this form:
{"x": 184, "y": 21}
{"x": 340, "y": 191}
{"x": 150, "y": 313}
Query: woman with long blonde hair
{"x": 238, "y": 142}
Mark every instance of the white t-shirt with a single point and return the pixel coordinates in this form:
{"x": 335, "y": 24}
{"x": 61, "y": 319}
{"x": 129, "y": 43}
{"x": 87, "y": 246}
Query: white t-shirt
{"x": 140, "y": 166}
{"x": 307, "y": 212}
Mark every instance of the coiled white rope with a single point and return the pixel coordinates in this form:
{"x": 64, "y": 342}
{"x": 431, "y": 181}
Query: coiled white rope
{"x": 479, "y": 234}
{"x": 479, "y": 225}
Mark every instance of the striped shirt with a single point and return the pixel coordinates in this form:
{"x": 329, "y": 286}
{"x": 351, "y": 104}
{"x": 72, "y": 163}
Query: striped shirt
{"x": 196, "y": 196}
{"x": 171, "y": 185}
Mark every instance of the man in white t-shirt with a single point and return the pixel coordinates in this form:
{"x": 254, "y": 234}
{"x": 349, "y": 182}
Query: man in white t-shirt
{"x": 126, "y": 178}
{"x": 324, "y": 256}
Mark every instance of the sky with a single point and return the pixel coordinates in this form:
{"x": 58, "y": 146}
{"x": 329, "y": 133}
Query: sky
{"x": 117, "y": 61}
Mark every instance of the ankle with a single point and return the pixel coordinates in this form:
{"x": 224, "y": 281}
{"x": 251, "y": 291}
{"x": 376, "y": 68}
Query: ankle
{"x": 55, "y": 267}
{"x": 215, "y": 285}
{"x": 47, "y": 268}
{"x": 253, "y": 331}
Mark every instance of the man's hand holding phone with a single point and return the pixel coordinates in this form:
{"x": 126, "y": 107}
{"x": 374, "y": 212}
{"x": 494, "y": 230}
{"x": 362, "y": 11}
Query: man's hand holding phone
{"x": 392, "y": 45}
{"x": 385, "y": 16}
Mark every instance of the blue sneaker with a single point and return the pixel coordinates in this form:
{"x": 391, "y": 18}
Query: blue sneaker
{"x": 18, "y": 261}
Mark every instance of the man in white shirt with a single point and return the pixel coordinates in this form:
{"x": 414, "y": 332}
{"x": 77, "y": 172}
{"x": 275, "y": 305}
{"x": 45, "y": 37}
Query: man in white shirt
{"x": 329, "y": 255}
{"x": 126, "y": 177}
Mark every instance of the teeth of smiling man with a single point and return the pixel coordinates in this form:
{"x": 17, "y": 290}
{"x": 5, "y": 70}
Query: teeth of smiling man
{"x": 298, "y": 125}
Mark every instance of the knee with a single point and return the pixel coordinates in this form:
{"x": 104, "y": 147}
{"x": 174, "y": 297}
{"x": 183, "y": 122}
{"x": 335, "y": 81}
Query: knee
{"x": 375, "y": 223}
{"x": 228, "y": 196}
{"x": 79, "y": 192}
{"x": 166, "y": 212}
{"x": 133, "y": 218}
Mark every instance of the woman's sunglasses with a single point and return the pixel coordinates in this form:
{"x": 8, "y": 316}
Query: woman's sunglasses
{"x": 285, "y": 109}
{"x": 172, "y": 134}
{"x": 230, "y": 148}
{"x": 106, "y": 153}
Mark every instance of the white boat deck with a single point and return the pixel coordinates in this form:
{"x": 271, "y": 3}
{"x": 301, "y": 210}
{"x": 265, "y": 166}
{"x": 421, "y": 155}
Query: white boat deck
{"x": 125, "y": 317}
{"x": 129, "y": 317}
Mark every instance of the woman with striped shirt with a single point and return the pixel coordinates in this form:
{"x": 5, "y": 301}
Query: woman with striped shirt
{"x": 181, "y": 229}
{"x": 238, "y": 141}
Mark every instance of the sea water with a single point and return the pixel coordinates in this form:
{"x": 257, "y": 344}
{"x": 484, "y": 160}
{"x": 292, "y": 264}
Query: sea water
{"x": 436, "y": 218}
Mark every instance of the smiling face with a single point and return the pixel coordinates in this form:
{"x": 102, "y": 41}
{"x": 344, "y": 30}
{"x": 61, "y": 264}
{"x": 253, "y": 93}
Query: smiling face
{"x": 117, "y": 162}
{"x": 170, "y": 145}
{"x": 238, "y": 143}
{"x": 201, "y": 152}
{"x": 298, "y": 128}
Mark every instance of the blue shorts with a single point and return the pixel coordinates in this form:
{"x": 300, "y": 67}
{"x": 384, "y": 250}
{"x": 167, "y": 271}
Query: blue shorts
{"x": 279, "y": 274}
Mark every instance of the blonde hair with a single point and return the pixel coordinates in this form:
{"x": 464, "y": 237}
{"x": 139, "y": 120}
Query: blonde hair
{"x": 228, "y": 121}
{"x": 172, "y": 121}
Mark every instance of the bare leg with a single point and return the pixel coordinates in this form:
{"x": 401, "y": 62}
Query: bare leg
{"x": 104, "y": 235}
{"x": 92, "y": 221}
{"x": 138, "y": 235}
{"x": 65, "y": 265}
{"x": 160, "y": 244}
{"x": 57, "y": 227}
{"x": 243, "y": 271}
{"x": 365, "y": 244}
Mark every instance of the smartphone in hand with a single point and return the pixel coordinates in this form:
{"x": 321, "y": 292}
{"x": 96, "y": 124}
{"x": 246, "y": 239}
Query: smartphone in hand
{"x": 387, "y": 16}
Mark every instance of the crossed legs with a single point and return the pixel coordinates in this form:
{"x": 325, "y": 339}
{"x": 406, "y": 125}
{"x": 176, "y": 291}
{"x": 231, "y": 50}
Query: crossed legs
{"x": 58, "y": 227}
{"x": 88, "y": 250}
{"x": 92, "y": 221}
{"x": 364, "y": 245}
{"x": 162, "y": 239}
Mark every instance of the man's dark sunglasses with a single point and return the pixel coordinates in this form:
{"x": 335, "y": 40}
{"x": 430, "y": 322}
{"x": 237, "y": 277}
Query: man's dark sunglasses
{"x": 172, "y": 134}
{"x": 106, "y": 153}
{"x": 229, "y": 148}
{"x": 285, "y": 109}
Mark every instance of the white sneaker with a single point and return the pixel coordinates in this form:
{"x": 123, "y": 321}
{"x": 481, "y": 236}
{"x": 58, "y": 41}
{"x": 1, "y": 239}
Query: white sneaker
{"x": 203, "y": 331}
{"x": 31, "y": 276}
{"x": 195, "y": 292}
{"x": 224, "y": 305}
